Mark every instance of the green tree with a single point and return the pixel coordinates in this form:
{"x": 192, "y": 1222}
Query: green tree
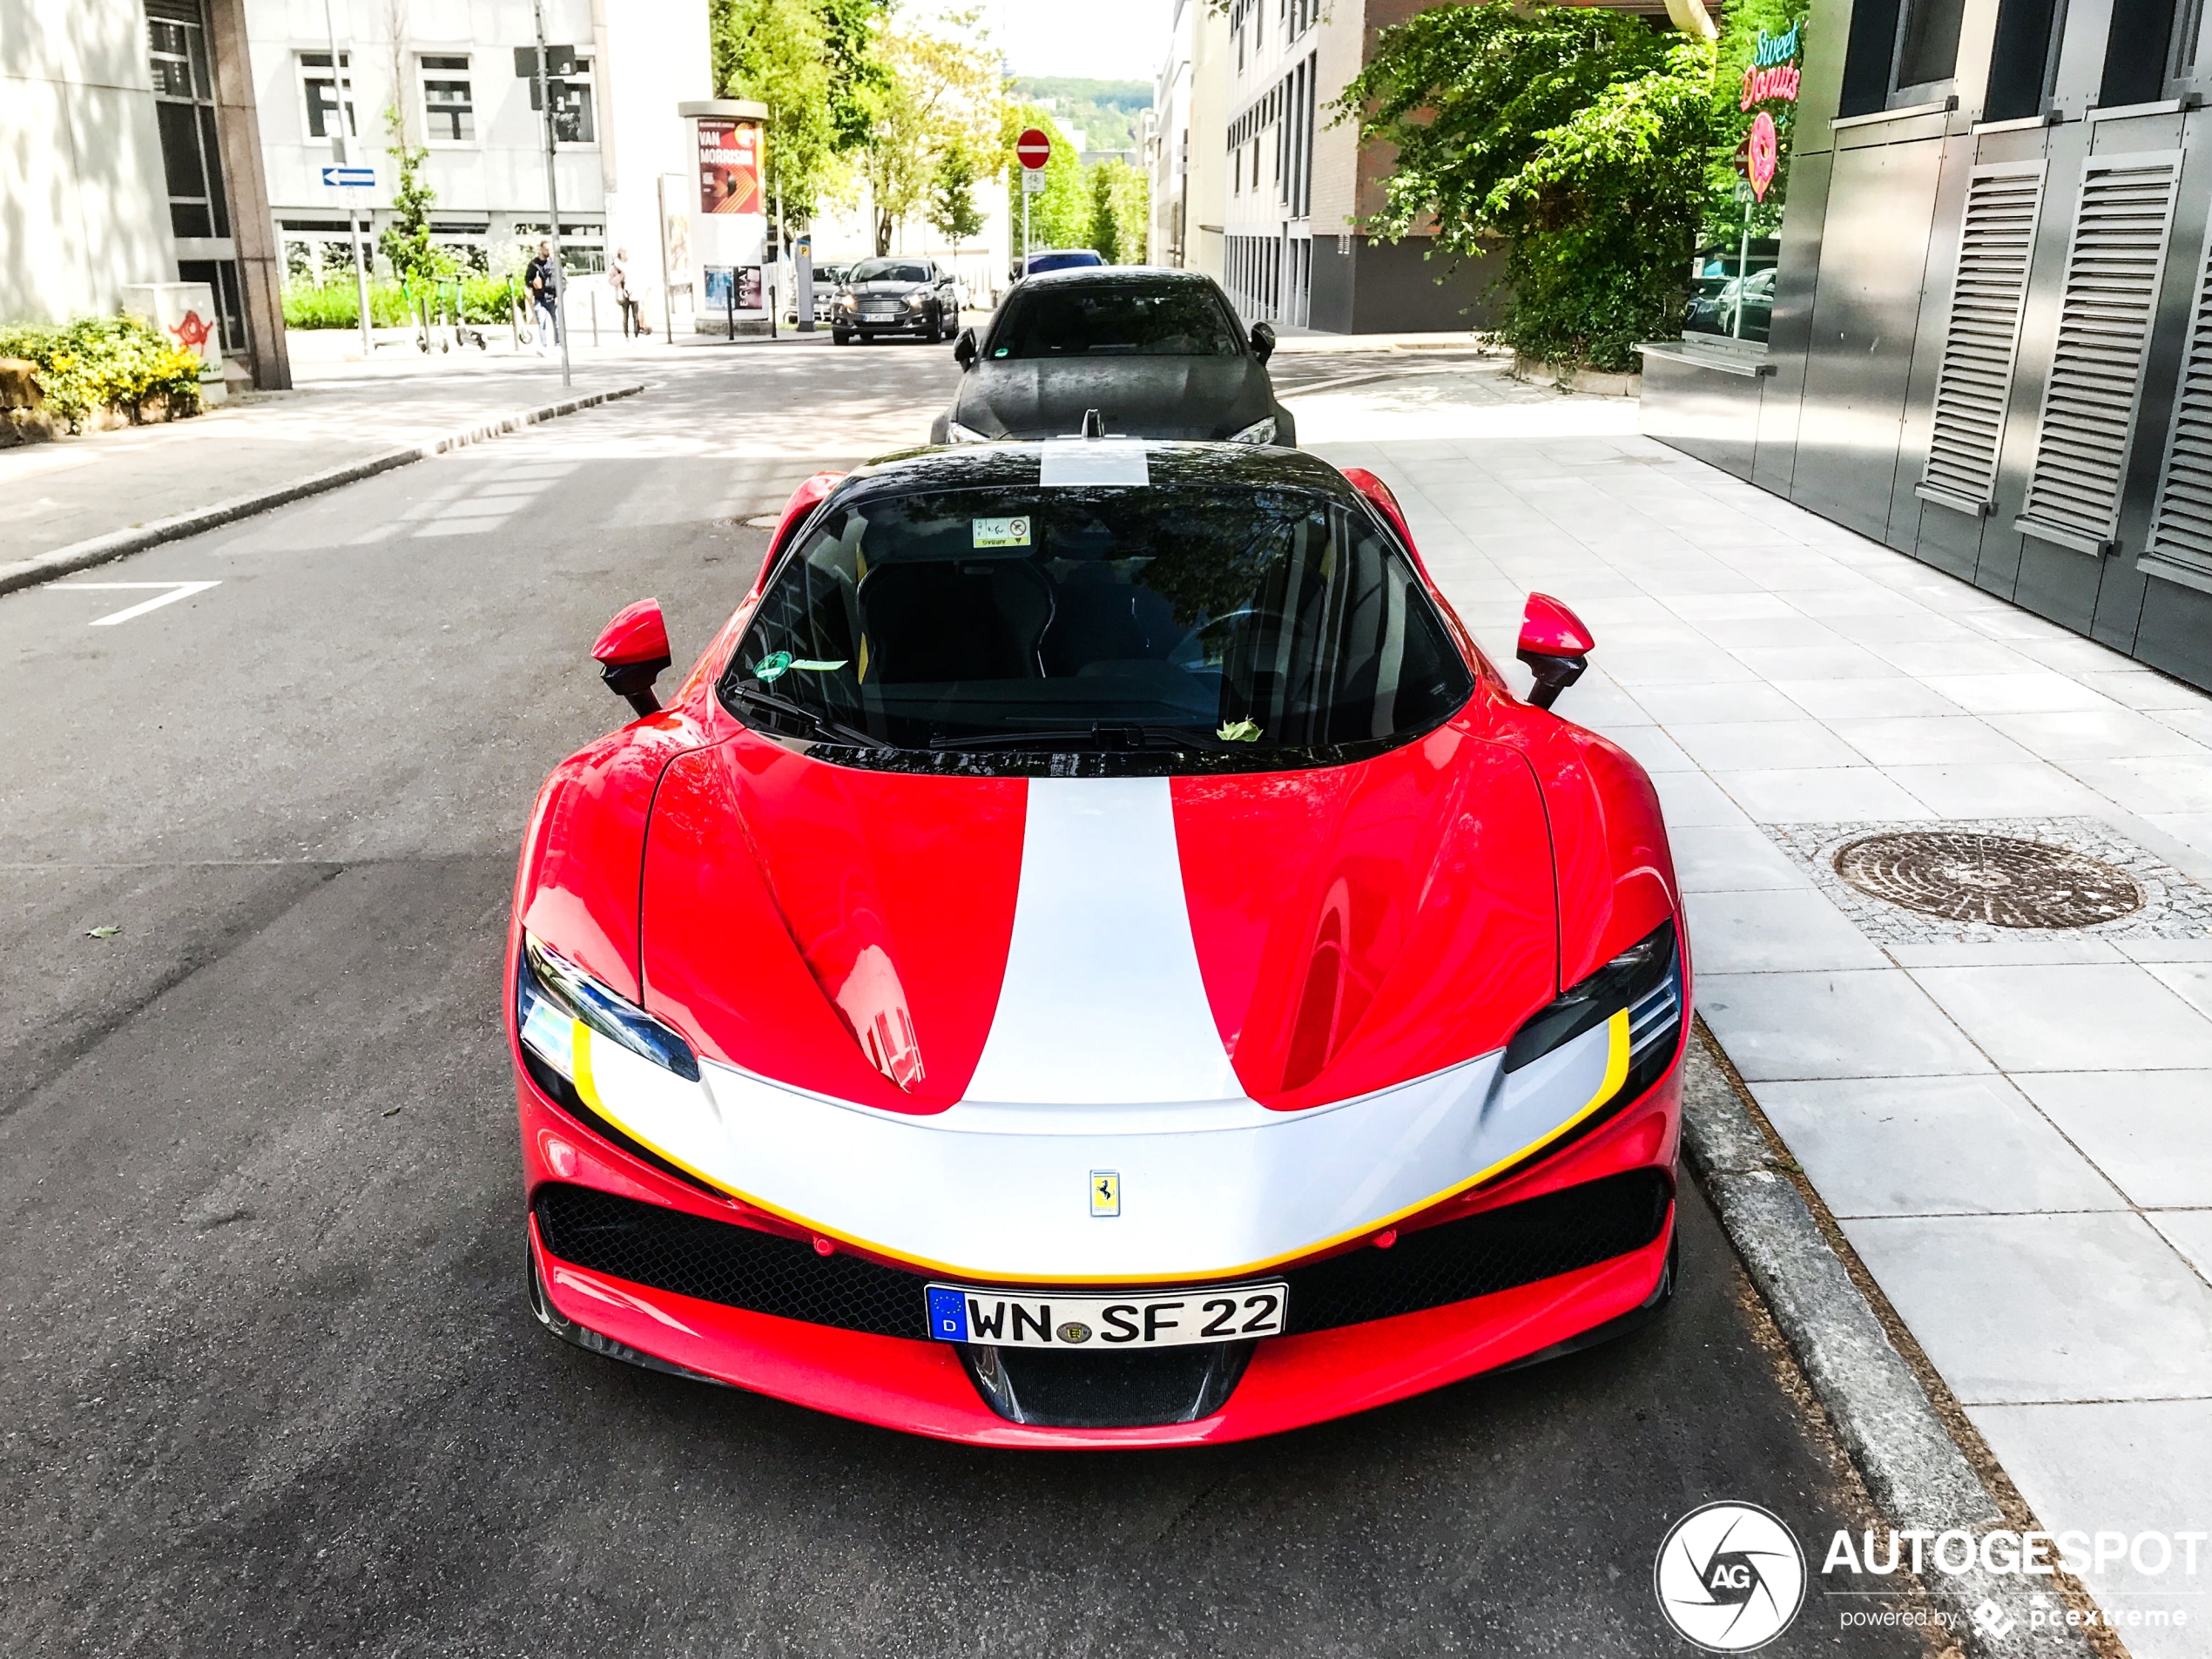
{"x": 850, "y": 29}
{"x": 953, "y": 211}
{"x": 778, "y": 53}
{"x": 1105, "y": 231}
{"x": 1576, "y": 135}
{"x": 405, "y": 242}
{"x": 942, "y": 92}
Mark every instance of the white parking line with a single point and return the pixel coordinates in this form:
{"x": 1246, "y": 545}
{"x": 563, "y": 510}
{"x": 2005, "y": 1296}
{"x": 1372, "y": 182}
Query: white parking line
{"x": 176, "y": 590}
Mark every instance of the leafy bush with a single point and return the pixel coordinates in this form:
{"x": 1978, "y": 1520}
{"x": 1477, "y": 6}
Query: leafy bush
{"x": 336, "y": 304}
{"x": 106, "y": 362}
{"x": 1577, "y": 135}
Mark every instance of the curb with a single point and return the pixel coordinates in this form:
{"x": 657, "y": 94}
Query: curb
{"x": 1913, "y": 1469}
{"x": 99, "y": 549}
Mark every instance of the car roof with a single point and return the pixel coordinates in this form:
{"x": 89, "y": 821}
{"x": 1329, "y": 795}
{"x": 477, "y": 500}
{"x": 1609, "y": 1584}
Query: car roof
{"x": 984, "y": 466}
{"x": 1115, "y": 276}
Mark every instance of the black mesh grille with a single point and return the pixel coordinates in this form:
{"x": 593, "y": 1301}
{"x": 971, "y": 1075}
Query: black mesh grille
{"x": 737, "y": 1266}
{"x": 1575, "y": 1227}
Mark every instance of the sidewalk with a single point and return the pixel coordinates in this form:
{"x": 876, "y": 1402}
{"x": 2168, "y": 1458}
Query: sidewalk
{"x": 339, "y": 412}
{"x": 2012, "y": 1125}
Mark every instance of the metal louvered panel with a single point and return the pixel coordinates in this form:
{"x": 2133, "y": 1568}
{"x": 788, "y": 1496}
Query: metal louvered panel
{"x": 2105, "y": 314}
{"x": 2180, "y": 529}
{"x": 1995, "y": 245}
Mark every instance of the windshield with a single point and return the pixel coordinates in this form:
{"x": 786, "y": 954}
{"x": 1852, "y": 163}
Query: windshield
{"x": 1245, "y": 623}
{"x": 1167, "y": 320}
{"x": 889, "y": 271}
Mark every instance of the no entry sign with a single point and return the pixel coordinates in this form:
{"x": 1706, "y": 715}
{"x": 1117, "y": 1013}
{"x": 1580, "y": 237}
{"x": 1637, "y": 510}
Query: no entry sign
{"x": 1033, "y": 148}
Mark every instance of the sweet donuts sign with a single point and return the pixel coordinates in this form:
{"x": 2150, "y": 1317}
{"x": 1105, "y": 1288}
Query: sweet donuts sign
{"x": 1773, "y": 73}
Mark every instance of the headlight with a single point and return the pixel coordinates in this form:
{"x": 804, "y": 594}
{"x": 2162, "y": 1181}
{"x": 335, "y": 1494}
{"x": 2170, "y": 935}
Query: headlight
{"x": 1644, "y": 983}
{"x": 555, "y": 1003}
{"x": 1258, "y": 432}
{"x": 918, "y": 300}
{"x": 846, "y": 302}
{"x": 955, "y": 432}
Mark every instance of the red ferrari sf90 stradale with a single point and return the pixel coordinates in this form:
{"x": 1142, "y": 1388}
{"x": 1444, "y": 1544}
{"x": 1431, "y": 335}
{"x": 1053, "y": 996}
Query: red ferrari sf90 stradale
{"x": 1093, "y": 954}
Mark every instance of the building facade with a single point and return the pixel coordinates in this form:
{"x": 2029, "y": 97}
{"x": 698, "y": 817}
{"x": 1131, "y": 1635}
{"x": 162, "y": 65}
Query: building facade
{"x": 1254, "y": 181}
{"x": 129, "y": 139}
{"x": 1991, "y": 343}
{"x": 458, "y": 78}
{"x": 1184, "y": 148}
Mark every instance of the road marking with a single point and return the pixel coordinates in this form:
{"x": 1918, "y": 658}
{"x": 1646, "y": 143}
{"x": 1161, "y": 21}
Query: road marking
{"x": 176, "y": 590}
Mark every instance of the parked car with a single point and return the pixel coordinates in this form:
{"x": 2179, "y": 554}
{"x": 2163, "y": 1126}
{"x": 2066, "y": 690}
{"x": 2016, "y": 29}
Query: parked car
{"x": 1093, "y": 955}
{"x": 828, "y": 278}
{"x": 1712, "y": 308}
{"x": 1159, "y": 353}
{"x": 882, "y": 298}
{"x": 1053, "y": 259}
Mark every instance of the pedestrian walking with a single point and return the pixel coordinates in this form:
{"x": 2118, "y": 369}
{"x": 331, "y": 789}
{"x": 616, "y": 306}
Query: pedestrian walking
{"x": 633, "y": 318}
{"x": 543, "y": 279}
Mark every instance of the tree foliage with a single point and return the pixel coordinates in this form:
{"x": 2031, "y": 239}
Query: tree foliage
{"x": 777, "y": 52}
{"x": 952, "y": 212}
{"x": 1576, "y": 135}
{"x": 941, "y": 93}
{"x": 1120, "y": 212}
{"x": 405, "y": 242}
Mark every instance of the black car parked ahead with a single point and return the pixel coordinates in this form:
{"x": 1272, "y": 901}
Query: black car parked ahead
{"x": 1159, "y": 353}
{"x": 896, "y": 296}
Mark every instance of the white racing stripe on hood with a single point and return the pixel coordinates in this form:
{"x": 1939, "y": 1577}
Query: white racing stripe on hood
{"x": 1102, "y": 1002}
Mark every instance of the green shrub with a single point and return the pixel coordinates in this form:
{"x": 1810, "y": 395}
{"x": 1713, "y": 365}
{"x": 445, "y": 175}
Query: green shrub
{"x": 106, "y": 362}
{"x": 336, "y": 303}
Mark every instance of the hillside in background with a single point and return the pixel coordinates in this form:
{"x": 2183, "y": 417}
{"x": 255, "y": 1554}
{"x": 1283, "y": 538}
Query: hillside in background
{"x": 1103, "y": 111}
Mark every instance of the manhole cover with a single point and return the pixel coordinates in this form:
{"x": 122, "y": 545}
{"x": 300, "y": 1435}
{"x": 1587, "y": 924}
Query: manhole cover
{"x": 1994, "y": 879}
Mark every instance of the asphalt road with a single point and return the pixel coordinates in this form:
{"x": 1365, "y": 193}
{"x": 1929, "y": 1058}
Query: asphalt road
{"x": 267, "y": 1382}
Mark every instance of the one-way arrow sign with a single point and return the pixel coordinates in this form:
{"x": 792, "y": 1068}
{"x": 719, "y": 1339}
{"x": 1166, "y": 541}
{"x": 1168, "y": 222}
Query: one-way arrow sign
{"x": 350, "y": 178}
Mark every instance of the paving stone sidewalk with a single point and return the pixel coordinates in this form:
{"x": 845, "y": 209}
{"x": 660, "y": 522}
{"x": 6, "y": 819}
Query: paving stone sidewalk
{"x": 74, "y": 488}
{"x": 2012, "y": 1126}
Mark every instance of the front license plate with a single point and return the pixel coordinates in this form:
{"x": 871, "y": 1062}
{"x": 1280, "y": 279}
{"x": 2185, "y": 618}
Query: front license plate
{"x": 1149, "y": 1319}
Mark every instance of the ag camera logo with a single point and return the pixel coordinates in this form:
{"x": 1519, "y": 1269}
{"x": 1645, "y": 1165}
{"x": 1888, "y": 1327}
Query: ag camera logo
{"x": 1729, "y": 1577}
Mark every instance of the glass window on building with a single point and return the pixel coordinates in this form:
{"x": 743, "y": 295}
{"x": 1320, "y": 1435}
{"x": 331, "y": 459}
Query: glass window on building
{"x": 191, "y": 158}
{"x": 448, "y": 105}
{"x": 318, "y": 89}
{"x": 572, "y": 119}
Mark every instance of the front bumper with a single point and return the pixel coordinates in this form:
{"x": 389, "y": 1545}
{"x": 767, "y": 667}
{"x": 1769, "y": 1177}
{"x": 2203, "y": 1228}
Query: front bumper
{"x": 724, "y": 1291}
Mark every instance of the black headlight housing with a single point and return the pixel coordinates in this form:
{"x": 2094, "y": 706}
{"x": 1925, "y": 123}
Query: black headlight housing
{"x": 1646, "y": 979}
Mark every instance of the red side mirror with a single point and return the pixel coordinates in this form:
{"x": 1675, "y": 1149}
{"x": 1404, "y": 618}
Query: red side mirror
{"x": 1556, "y": 646}
{"x": 631, "y": 651}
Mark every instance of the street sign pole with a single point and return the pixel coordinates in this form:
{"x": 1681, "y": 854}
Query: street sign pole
{"x": 552, "y": 197}
{"x": 340, "y": 155}
{"x": 1033, "y": 148}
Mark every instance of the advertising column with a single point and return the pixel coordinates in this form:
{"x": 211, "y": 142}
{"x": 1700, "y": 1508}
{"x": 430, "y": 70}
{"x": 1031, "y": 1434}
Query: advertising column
{"x": 729, "y": 230}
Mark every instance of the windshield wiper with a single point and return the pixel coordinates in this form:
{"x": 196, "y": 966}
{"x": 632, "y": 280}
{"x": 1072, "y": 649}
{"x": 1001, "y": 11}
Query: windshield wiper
{"x": 834, "y": 730}
{"x": 1109, "y": 735}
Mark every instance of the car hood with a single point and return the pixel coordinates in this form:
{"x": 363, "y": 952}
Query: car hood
{"x": 914, "y": 942}
{"x": 1141, "y": 397}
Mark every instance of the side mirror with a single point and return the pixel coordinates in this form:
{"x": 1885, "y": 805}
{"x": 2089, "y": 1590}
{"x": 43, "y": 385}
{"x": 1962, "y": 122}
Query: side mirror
{"x": 1555, "y": 645}
{"x": 1263, "y": 341}
{"x": 631, "y": 651}
{"x": 964, "y": 349}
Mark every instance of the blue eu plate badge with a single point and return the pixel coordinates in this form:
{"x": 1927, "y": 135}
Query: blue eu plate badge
{"x": 948, "y": 1314}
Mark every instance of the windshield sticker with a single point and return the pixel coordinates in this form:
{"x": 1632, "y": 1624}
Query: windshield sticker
{"x": 1239, "y": 732}
{"x": 1002, "y": 532}
{"x": 777, "y": 664}
{"x": 1001, "y": 351}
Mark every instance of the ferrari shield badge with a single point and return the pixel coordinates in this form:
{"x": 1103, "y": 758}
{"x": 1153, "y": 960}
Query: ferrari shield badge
{"x": 1105, "y": 1192}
